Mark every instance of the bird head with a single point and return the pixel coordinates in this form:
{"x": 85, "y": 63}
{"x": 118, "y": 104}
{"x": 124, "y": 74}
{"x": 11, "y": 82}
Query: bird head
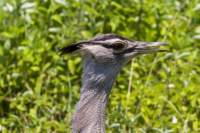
{"x": 112, "y": 48}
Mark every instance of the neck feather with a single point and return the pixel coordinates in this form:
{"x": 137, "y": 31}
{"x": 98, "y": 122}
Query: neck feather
{"x": 90, "y": 110}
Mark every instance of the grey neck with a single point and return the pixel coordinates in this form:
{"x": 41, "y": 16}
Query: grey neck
{"x": 90, "y": 110}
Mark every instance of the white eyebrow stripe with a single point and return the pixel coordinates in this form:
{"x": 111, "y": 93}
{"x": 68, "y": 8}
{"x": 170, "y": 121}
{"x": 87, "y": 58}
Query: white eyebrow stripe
{"x": 110, "y": 41}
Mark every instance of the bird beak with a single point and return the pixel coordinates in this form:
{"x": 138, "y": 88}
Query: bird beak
{"x": 148, "y": 47}
{"x": 136, "y": 48}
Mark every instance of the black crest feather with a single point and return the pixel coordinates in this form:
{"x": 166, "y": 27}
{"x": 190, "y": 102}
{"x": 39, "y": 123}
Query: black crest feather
{"x": 72, "y": 48}
{"x": 69, "y": 49}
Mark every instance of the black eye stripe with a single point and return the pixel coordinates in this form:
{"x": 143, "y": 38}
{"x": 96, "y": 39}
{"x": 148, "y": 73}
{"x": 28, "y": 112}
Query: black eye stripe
{"x": 107, "y": 46}
{"x": 116, "y": 45}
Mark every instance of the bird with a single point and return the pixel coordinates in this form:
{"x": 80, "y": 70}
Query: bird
{"x": 103, "y": 57}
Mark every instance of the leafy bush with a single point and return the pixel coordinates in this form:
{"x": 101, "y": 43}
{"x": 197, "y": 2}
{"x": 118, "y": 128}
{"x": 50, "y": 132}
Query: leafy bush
{"x": 39, "y": 88}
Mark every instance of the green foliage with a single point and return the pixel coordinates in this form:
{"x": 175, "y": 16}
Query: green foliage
{"x": 154, "y": 93}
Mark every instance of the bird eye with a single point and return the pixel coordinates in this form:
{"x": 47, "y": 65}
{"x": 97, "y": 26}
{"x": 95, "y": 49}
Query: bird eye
{"x": 119, "y": 45}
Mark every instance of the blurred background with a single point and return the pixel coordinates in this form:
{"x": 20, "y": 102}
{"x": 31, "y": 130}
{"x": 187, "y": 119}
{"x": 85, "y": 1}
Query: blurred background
{"x": 157, "y": 93}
